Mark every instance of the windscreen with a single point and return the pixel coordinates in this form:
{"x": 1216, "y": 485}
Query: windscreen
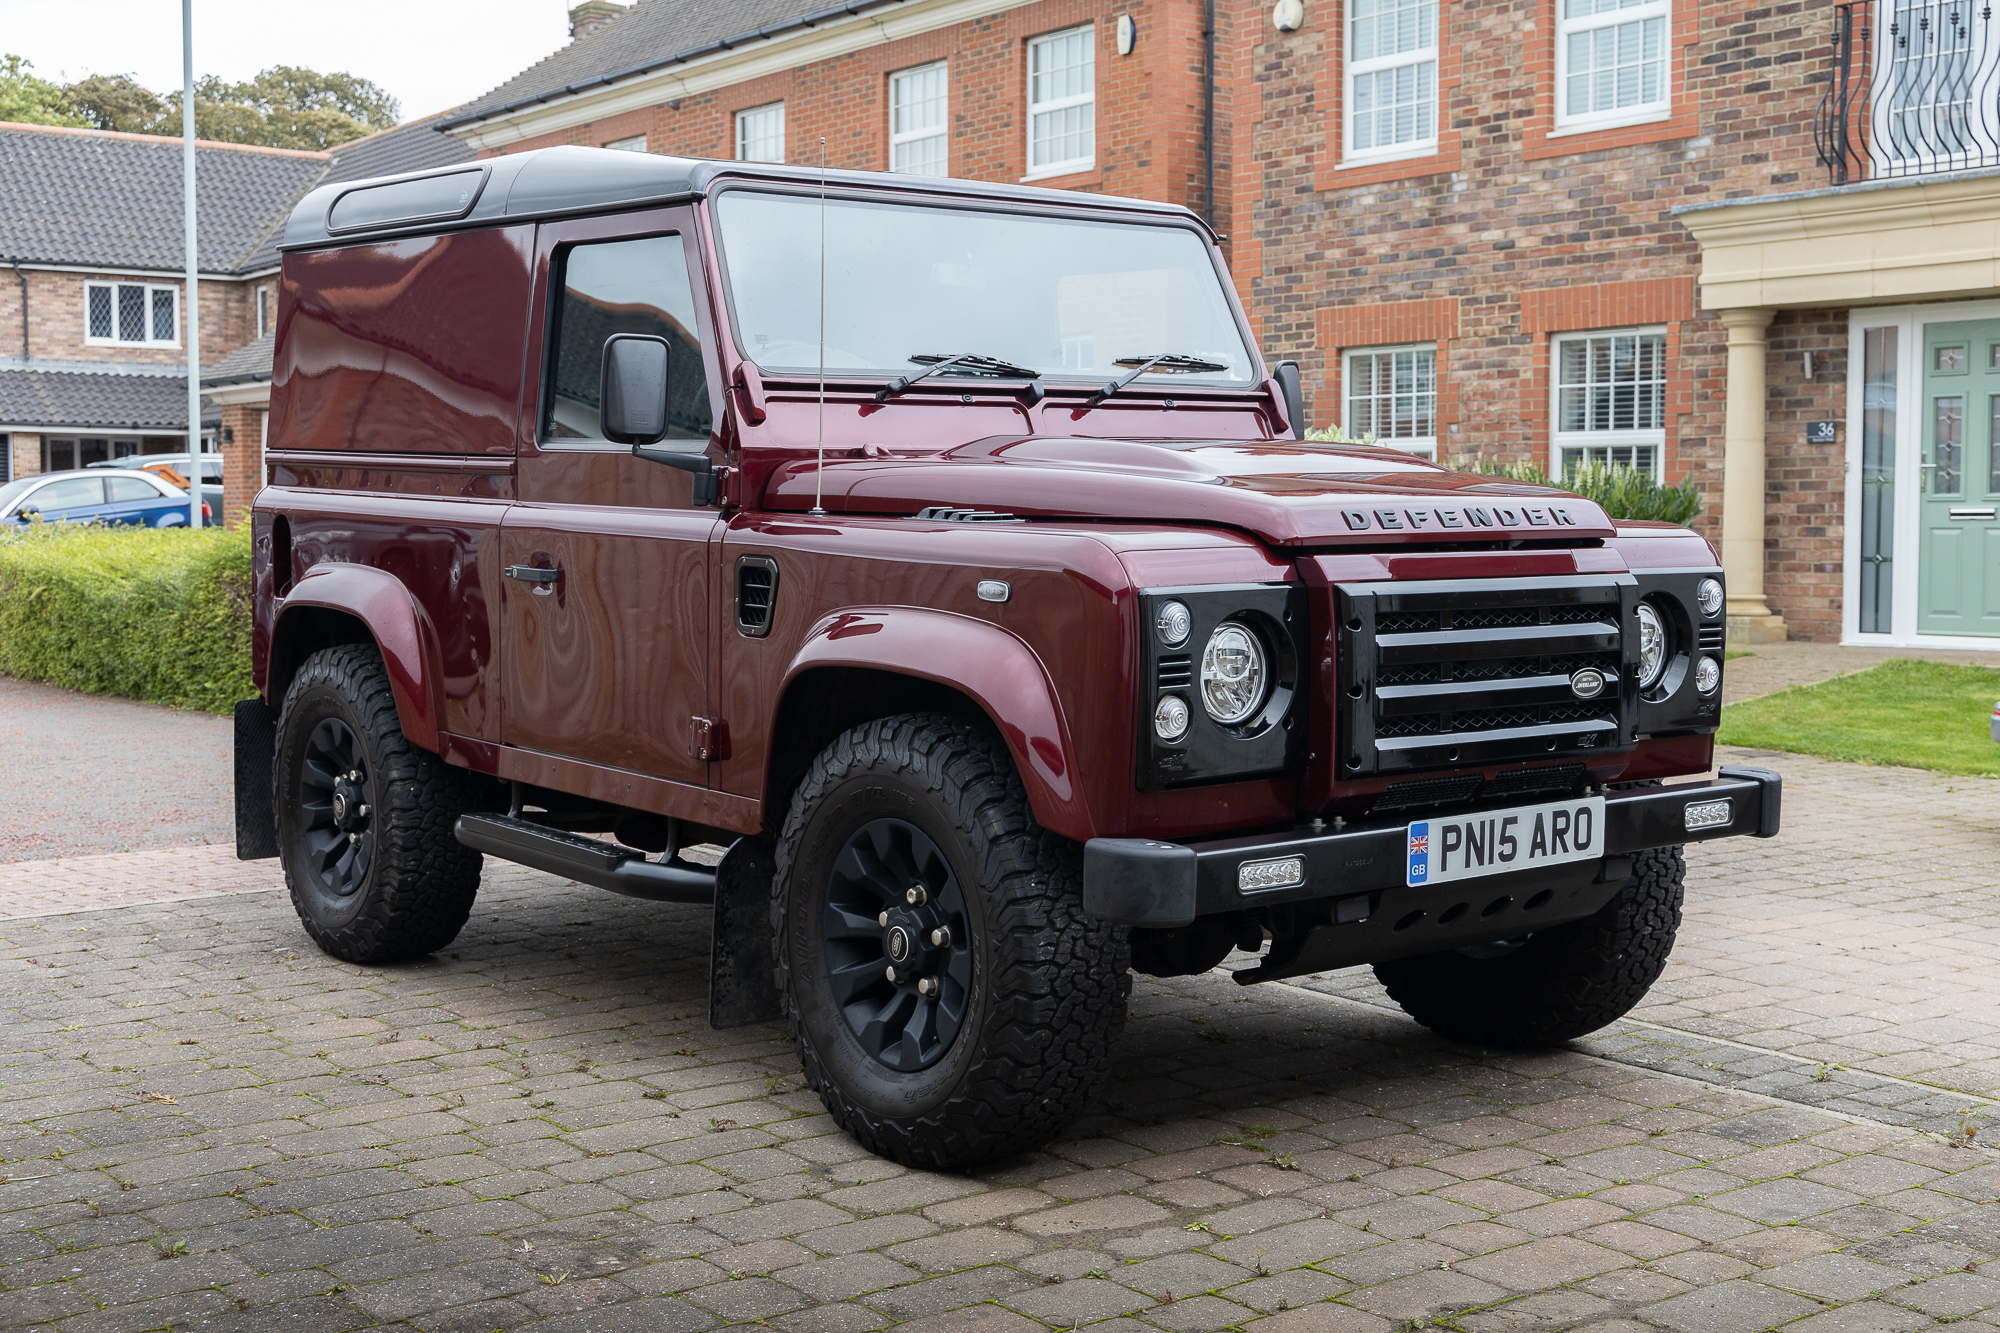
{"x": 1063, "y": 297}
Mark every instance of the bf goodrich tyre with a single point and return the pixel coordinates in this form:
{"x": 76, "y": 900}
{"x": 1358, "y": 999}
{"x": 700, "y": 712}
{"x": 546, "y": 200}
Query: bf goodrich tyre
{"x": 950, "y": 999}
{"x": 365, "y": 817}
{"x": 1558, "y": 984}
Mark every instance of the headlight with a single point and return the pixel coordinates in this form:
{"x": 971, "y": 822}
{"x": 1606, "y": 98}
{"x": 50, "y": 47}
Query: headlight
{"x": 1232, "y": 673}
{"x": 1170, "y": 718}
{"x": 1173, "y": 623}
{"x": 1708, "y": 595}
{"x": 1707, "y": 675}
{"x": 1652, "y": 646}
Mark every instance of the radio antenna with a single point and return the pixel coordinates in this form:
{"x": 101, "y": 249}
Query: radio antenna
{"x": 819, "y": 454}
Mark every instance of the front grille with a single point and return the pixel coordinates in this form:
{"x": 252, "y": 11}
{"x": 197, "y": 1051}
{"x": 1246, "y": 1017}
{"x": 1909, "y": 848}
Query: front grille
{"x": 1527, "y": 781}
{"x": 1710, "y": 638}
{"x": 1176, "y": 671}
{"x": 1453, "y": 673}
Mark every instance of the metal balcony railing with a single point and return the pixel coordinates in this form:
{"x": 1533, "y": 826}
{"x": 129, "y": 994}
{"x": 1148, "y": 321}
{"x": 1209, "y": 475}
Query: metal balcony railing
{"x": 1914, "y": 95}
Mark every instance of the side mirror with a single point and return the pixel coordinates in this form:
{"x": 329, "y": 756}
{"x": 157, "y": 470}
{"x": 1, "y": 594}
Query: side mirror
{"x": 633, "y": 388}
{"x": 1289, "y": 384}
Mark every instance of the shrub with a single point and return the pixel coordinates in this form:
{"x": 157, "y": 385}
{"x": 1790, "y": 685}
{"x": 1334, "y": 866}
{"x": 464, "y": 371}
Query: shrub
{"x": 161, "y": 615}
{"x": 1623, "y": 492}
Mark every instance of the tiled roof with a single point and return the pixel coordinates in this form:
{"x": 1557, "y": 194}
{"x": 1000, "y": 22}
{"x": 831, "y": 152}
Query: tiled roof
{"x": 411, "y": 147}
{"x": 114, "y": 200}
{"x": 651, "y": 31}
{"x": 103, "y": 400}
{"x": 252, "y": 361}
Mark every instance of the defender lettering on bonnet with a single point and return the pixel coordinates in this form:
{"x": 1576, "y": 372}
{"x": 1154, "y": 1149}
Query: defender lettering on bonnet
{"x": 676, "y": 590}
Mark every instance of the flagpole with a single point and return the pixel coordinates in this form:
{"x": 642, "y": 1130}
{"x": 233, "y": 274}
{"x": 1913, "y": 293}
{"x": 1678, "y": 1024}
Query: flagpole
{"x": 193, "y": 296}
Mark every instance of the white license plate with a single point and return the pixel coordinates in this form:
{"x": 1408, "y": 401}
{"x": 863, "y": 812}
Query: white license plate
{"x": 1493, "y": 842}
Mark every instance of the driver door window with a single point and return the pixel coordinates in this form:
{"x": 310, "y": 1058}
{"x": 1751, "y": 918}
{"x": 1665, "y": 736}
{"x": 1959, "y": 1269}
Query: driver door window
{"x": 636, "y": 286}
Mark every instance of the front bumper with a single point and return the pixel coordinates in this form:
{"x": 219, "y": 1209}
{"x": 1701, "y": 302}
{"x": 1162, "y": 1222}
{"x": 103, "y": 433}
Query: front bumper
{"x": 1360, "y": 870}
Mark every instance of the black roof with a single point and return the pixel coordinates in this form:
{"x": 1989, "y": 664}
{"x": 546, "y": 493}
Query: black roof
{"x": 38, "y": 396}
{"x": 415, "y": 146}
{"x": 554, "y": 182}
{"x": 114, "y": 200}
{"x": 251, "y": 361}
{"x": 651, "y": 35}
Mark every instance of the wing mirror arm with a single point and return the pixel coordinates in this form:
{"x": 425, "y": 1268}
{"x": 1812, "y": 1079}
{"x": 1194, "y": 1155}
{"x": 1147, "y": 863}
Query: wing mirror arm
{"x": 707, "y": 477}
{"x": 1290, "y": 384}
{"x": 632, "y": 397}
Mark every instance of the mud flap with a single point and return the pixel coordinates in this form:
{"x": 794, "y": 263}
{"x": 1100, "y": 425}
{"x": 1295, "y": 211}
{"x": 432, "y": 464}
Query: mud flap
{"x": 742, "y": 987}
{"x": 256, "y": 755}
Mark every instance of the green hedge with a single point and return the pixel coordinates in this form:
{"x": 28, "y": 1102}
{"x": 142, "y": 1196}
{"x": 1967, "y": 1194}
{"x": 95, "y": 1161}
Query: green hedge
{"x": 156, "y": 614}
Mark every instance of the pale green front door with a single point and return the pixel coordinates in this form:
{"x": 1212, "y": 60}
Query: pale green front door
{"x": 1958, "y": 579}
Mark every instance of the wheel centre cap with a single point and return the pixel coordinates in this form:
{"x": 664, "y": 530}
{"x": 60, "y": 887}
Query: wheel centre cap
{"x": 899, "y": 945}
{"x": 340, "y": 808}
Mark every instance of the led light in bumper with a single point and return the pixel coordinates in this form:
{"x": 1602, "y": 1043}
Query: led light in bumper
{"x": 1709, "y": 597}
{"x": 1707, "y": 675}
{"x": 1652, "y": 646}
{"x": 1232, "y": 673}
{"x": 1170, "y": 718}
{"x": 1705, "y": 814}
{"x": 1281, "y": 873}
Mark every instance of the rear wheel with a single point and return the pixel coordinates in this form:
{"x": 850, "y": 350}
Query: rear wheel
{"x": 1555, "y": 985}
{"x": 950, "y": 999}
{"x": 365, "y": 818}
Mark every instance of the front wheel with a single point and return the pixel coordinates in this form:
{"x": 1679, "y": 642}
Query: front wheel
{"x": 950, "y": 999}
{"x": 1557, "y": 984}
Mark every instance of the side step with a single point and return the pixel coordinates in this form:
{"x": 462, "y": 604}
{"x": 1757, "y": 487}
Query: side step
{"x": 590, "y": 861}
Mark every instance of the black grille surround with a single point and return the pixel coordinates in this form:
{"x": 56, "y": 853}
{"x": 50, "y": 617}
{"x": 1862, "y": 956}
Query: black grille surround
{"x": 1454, "y": 673}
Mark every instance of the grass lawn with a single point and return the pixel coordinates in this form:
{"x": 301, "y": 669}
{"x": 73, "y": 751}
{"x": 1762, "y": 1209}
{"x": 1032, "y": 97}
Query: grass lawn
{"x": 1914, "y": 714}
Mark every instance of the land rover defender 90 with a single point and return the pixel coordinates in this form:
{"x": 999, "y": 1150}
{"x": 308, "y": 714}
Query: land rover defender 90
{"x": 947, "y": 552}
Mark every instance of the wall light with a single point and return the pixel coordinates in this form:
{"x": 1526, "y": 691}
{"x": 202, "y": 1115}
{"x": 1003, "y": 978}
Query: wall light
{"x": 1288, "y": 15}
{"x": 1128, "y": 34}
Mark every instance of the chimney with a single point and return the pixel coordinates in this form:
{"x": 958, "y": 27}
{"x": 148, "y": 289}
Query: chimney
{"x": 591, "y": 15}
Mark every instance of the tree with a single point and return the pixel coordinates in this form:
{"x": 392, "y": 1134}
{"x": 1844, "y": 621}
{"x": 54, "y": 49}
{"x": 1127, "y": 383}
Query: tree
{"x": 29, "y": 100}
{"x": 116, "y": 102}
{"x": 286, "y": 107}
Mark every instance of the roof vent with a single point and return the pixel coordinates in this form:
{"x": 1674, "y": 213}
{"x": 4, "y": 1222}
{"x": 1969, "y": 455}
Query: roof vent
{"x": 756, "y": 594}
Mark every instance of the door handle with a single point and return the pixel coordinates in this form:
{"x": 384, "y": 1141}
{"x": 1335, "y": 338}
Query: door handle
{"x": 532, "y": 574}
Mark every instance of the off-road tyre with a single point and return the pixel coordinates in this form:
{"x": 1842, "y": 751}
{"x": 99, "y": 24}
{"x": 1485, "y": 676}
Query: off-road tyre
{"x": 416, "y": 887}
{"x": 1563, "y": 982}
{"x": 1049, "y": 982}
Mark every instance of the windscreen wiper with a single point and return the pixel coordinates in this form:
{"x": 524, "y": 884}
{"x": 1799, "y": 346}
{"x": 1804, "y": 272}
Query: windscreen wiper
{"x": 1165, "y": 363}
{"x": 965, "y": 363}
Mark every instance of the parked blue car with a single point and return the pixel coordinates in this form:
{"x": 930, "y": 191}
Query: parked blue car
{"x": 211, "y": 472}
{"x": 96, "y": 495}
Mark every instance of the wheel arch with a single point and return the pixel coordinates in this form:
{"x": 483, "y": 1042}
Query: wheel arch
{"x": 339, "y": 604}
{"x": 857, "y": 666}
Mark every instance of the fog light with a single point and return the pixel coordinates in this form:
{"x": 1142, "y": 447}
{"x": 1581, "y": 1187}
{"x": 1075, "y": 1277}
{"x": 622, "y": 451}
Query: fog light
{"x": 1707, "y": 675}
{"x": 1708, "y": 594}
{"x": 1258, "y": 876}
{"x": 1705, "y": 814}
{"x": 1170, "y": 718}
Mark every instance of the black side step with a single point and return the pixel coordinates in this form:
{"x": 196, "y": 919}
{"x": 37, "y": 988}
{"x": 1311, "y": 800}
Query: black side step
{"x": 590, "y": 861}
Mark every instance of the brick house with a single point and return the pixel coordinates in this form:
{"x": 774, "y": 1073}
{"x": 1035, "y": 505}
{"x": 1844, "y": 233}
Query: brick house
{"x": 92, "y": 358}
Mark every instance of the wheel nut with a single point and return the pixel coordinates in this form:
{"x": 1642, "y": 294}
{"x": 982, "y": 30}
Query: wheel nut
{"x": 882, "y": 920}
{"x": 361, "y": 812}
{"x": 941, "y": 937}
{"x": 354, "y": 838}
{"x": 917, "y": 896}
{"x": 890, "y": 973}
{"x": 928, "y": 986}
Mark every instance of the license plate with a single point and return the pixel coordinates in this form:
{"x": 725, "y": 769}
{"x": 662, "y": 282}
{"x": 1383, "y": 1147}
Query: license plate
{"x": 1493, "y": 842}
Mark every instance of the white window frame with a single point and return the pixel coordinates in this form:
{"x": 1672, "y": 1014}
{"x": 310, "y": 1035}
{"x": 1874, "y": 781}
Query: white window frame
{"x": 262, "y": 299}
{"x": 1574, "y": 123}
{"x": 1355, "y": 69}
{"x": 151, "y": 288}
{"x": 632, "y": 143}
{"x": 743, "y": 118}
{"x": 1088, "y": 98}
{"x": 942, "y": 131}
{"x": 1562, "y": 442}
{"x": 1424, "y": 446}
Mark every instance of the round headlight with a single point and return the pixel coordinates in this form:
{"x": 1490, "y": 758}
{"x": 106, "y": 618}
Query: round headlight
{"x": 1232, "y": 673}
{"x": 1173, "y": 623}
{"x": 1652, "y": 646}
{"x": 1708, "y": 595}
{"x": 1707, "y": 675}
{"x": 1170, "y": 718}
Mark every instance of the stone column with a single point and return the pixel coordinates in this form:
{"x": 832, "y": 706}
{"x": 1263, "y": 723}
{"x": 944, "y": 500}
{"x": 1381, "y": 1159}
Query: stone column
{"x": 27, "y": 455}
{"x": 1750, "y": 621}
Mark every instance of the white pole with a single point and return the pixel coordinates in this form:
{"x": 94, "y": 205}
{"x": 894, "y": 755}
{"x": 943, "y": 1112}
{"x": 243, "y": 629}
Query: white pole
{"x": 193, "y": 297}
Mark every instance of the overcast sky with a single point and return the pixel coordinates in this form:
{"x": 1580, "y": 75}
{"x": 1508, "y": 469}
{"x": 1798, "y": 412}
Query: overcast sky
{"x": 430, "y": 54}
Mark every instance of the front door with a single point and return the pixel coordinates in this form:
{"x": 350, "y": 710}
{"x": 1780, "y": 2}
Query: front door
{"x": 1959, "y": 561}
{"x": 606, "y": 617}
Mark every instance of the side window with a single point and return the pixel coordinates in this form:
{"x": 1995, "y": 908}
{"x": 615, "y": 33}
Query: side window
{"x": 608, "y": 287}
{"x": 121, "y": 489}
{"x": 69, "y": 493}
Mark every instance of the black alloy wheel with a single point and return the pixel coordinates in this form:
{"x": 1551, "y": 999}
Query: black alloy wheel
{"x": 335, "y": 808}
{"x": 898, "y": 944}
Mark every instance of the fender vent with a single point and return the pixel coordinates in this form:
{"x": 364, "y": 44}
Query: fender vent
{"x": 1176, "y": 671}
{"x": 949, "y": 514}
{"x": 756, "y": 594}
{"x": 1710, "y": 638}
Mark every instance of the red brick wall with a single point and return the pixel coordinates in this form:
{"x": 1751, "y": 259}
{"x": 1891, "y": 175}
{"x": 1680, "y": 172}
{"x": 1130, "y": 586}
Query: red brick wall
{"x": 1531, "y": 236}
{"x": 56, "y": 318}
{"x": 242, "y": 461}
{"x": 1148, "y": 103}
{"x": 1805, "y": 484}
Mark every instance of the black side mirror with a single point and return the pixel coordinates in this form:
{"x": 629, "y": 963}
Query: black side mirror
{"x": 633, "y": 390}
{"x": 1289, "y": 384}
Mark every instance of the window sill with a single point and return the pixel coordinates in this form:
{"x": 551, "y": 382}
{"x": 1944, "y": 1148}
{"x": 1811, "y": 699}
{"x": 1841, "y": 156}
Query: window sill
{"x": 1651, "y": 117}
{"x": 1082, "y": 168}
{"x": 1349, "y": 164}
{"x": 133, "y": 347}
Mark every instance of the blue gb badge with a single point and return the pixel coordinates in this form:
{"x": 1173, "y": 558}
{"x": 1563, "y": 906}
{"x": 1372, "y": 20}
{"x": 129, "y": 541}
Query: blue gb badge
{"x": 1420, "y": 854}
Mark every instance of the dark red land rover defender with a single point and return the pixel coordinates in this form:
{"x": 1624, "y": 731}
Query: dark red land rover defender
{"x": 948, "y": 553}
